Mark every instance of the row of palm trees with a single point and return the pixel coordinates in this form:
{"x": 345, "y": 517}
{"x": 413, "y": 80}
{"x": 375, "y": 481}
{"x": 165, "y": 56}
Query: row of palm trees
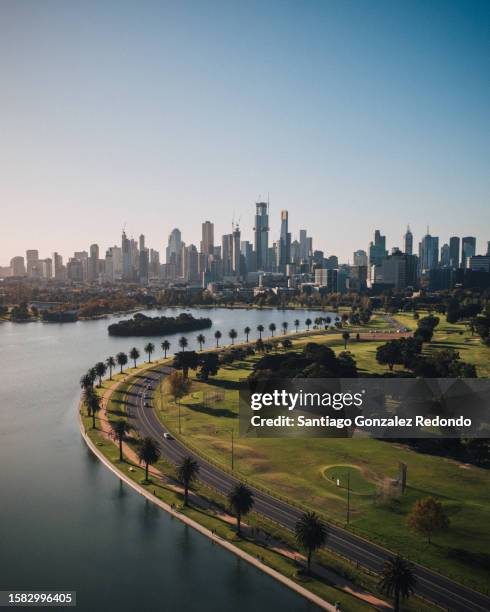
{"x": 311, "y": 533}
{"x": 121, "y": 359}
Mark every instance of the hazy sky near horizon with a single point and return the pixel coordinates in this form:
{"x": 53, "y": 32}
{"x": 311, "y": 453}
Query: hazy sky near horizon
{"x": 352, "y": 115}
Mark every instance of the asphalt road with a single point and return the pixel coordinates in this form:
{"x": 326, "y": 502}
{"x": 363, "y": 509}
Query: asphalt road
{"x": 442, "y": 591}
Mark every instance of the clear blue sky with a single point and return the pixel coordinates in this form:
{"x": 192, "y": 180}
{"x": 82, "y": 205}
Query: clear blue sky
{"x": 352, "y": 115}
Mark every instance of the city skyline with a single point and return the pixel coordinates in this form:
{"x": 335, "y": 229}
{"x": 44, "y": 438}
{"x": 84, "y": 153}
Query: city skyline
{"x": 348, "y": 116}
{"x": 480, "y": 247}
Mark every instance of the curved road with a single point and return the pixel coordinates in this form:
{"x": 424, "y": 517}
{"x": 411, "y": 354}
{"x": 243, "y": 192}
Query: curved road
{"x": 442, "y": 591}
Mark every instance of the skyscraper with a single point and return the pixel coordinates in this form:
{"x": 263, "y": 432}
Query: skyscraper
{"x": 377, "y": 249}
{"x": 17, "y": 266}
{"x": 173, "y": 249}
{"x": 261, "y": 230}
{"x": 468, "y": 250}
{"x": 32, "y": 259}
{"x": 360, "y": 258}
{"x": 207, "y": 242}
{"x": 190, "y": 258}
{"x": 428, "y": 252}
{"x": 408, "y": 240}
{"x": 93, "y": 263}
{"x": 127, "y": 265}
{"x": 284, "y": 243}
{"x": 142, "y": 242}
{"x": 227, "y": 254}
{"x": 445, "y": 256}
{"x": 236, "y": 257}
{"x": 303, "y": 245}
{"x": 454, "y": 252}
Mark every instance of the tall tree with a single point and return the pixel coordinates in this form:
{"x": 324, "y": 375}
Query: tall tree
{"x": 428, "y": 517}
{"x": 134, "y": 354}
{"x": 176, "y": 385}
{"x": 272, "y": 328}
{"x": 247, "y": 331}
{"x": 311, "y": 534}
{"x": 187, "y": 471}
{"x": 308, "y": 323}
{"x": 120, "y": 429}
{"x": 217, "y": 335}
{"x": 260, "y": 329}
{"x": 122, "y": 360}
{"x": 296, "y": 324}
{"x": 111, "y": 364}
{"x": 241, "y": 501}
{"x": 165, "y": 347}
{"x": 100, "y": 370}
{"x": 86, "y": 382}
{"x": 148, "y": 453}
{"x": 397, "y": 579}
{"x": 233, "y": 334}
{"x": 149, "y": 349}
{"x": 92, "y": 401}
{"x": 183, "y": 342}
{"x": 201, "y": 340}
{"x": 284, "y": 326}
{"x": 185, "y": 361}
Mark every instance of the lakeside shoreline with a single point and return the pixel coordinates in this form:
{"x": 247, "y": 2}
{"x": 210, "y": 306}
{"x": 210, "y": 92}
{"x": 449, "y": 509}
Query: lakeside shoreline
{"x": 315, "y": 599}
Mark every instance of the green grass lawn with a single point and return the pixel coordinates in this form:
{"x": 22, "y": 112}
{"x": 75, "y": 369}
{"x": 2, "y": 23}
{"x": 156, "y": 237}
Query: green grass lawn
{"x": 298, "y": 469}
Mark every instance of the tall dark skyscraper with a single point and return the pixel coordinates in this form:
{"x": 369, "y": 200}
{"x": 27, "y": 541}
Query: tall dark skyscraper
{"x": 408, "y": 240}
{"x": 429, "y": 252}
{"x": 377, "y": 249}
{"x": 454, "y": 251}
{"x": 468, "y": 250}
{"x": 261, "y": 230}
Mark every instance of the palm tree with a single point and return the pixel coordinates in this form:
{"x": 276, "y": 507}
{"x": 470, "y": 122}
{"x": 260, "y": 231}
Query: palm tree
{"x": 241, "y": 501}
{"x": 296, "y": 324}
{"x": 92, "y": 401}
{"x": 148, "y": 453}
{"x": 122, "y": 360}
{"x": 149, "y": 349}
{"x": 187, "y": 471}
{"x": 397, "y": 579}
{"x": 246, "y": 331}
{"x": 183, "y": 342}
{"x": 110, "y": 363}
{"x": 217, "y": 335}
{"x": 119, "y": 430}
{"x": 201, "y": 340}
{"x": 272, "y": 328}
{"x": 86, "y": 382}
{"x": 311, "y": 534}
{"x": 165, "y": 347}
{"x": 100, "y": 370}
{"x": 308, "y": 323}
{"x": 260, "y": 329}
{"x": 232, "y": 333}
{"x": 346, "y": 337}
{"x": 92, "y": 374}
{"x": 284, "y": 326}
{"x": 134, "y": 354}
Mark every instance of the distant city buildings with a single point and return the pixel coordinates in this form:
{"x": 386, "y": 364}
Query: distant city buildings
{"x": 285, "y": 264}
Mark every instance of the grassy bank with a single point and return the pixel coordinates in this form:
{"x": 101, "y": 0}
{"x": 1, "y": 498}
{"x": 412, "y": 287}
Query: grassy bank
{"x": 301, "y": 470}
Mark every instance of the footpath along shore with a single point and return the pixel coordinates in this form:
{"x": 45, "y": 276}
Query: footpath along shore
{"x": 339, "y": 582}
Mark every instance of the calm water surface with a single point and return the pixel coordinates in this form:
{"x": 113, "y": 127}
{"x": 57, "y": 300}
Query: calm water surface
{"x": 66, "y": 522}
